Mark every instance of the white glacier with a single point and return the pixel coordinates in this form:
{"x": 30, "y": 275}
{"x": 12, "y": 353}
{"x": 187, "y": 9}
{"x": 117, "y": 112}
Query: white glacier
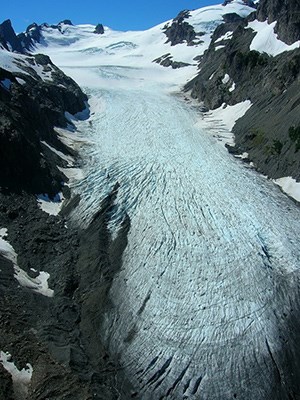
{"x": 213, "y": 247}
{"x": 196, "y": 295}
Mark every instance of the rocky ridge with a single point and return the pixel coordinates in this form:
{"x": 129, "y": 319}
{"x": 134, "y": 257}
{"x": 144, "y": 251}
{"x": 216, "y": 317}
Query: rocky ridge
{"x": 231, "y": 73}
{"x": 56, "y": 334}
{"x": 33, "y": 101}
{"x": 180, "y": 31}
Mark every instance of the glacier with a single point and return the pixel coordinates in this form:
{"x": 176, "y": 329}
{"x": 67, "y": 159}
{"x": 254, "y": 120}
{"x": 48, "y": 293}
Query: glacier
{"x": 211, "y": 244}
{"x": 204, "y": 303}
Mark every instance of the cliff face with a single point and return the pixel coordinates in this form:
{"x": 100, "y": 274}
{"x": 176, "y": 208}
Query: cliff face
{"x": 231, "y": 73}
{"x": 8, "y": 37}
{"x": 33, "y": 100}
{"x": 287, "y": 15}
{"x": 180, "y": 31}
{"x": 55, "y": 332}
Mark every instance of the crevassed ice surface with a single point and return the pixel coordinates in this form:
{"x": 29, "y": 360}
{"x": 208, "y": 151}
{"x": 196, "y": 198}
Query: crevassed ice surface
{"x": 211, "y": 269}
{"x": 195, "y": 304}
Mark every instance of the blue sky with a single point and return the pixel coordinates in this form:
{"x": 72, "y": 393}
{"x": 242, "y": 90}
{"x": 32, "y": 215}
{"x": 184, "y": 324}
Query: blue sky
{"x": 118, "y": 14}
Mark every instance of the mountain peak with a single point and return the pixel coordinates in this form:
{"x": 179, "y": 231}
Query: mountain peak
{"x": 99, "y": 29}
{"x": 8, "y": 37}
{"x": 66, "y": 22}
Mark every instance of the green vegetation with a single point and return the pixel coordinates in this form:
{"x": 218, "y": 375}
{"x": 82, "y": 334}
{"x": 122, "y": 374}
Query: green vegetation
{"x": 251, "y": 59}
{"x": 294, "y": 134}
{"x": 257, "y": 136}
{"x": 277, "y": 147}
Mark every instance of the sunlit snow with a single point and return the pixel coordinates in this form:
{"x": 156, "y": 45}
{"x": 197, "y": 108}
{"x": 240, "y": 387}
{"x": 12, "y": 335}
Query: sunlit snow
{"x": 289, "y": 186}
{"x": 266, "y": 40}
{"x": 50, "y": 206}
{"x": 38, "y": 284}
{"x": 21, "y": 378}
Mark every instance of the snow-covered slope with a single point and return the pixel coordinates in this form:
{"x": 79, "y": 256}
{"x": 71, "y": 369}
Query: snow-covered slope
{"x": 78, "y": 46}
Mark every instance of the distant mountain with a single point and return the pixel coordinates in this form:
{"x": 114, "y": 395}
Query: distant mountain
{"x": 8, "y": 38}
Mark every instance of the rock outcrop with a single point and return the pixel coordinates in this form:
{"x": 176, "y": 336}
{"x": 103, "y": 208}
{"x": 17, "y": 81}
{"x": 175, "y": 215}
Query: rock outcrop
{"x": 30, "y": 108}
{"x": 287, "y": 15}
{"x": 56, "y": 335}
{"x": 8, "y": 37}
{"x": 99, "y": 29}
{"x": 59, "y": 336}
{"x": 232, "y": 73}
{"x": 167, "y": 61}
{"x": 31, "y": 36}
{"x": 181, "y": 31}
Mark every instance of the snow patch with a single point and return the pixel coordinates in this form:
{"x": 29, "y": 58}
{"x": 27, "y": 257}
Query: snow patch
{"x": 38, "y": 284}
{"x": 21, "y": 81}
{"x": 266, "y": 40}
{"x": 219, "y": 47}
{"x": 232, "y": 87}
{"x": 227, "y": 36}
{"x": 230, "y": 114}
{"x": 243, "y": 156}
{"x": 65, "y": 157}
{"x": 51, "y": 207}
{"x": 290, "y": 186}
{"x": 73, "y": 174}
{"x": 226, "y": 79}
{"x": 3, "y": 232}
{"x": 21, "y": 378}
{"x": 221, "y": 120}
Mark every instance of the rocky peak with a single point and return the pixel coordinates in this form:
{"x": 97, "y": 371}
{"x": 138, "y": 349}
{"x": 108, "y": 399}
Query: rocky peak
{"x": 8, "y": 37}
{"x": 31, "y": 36}
{"x": 66, "y": 22}
{"x": 184, "y": 14}
{"x": 181, "y": 31}
{"x": 99, "y": 29}
{"x": 287, "y": 15}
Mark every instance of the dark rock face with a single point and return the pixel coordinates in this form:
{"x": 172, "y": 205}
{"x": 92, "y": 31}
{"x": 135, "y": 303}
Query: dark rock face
{"x": 29, "y": 109}
{"x": 99, "y": 29}
{"x": 31, "y": 36}
{"x": 8, "y": 38}
{"x": 6, "y": 386}
{"x": 287, "y": 15}
{"x": 33, "y": 33}
{"x": 232, "y": 18}
{"x": 181, "y": 31}
{"x": 269, "y": 130}
{"x": 166, "y": 61}
{"x": 59, "y": 335}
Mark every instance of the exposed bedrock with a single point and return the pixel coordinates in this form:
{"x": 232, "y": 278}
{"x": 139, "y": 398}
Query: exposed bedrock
{"x": 59, "y": 336}
{"x": 30, "y": 108}
{"x": 180, "y": 31}
{"x": 287, "y": 15}
{"x": 230, "y": 73}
